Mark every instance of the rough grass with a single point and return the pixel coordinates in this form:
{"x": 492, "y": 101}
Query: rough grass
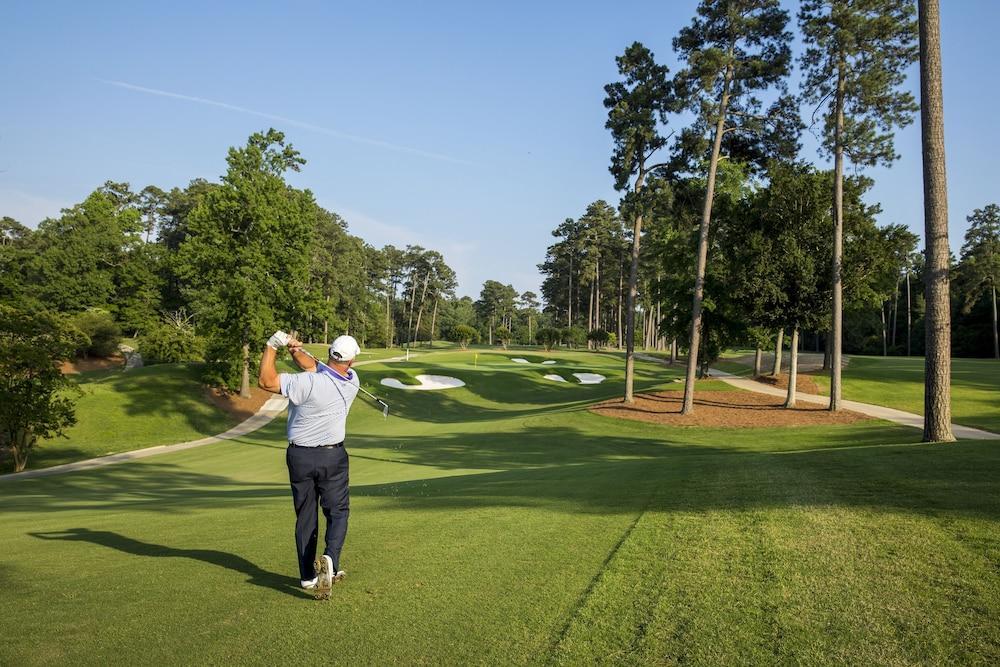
{"x": 501, "y": 523}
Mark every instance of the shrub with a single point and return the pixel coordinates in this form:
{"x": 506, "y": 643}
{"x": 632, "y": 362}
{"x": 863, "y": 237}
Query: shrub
{"x": 548, "y": 337}
{"x": 599, "y": 337}
{"x": 503, "y": 335}
{"x": 101, "y": 330}
{"x": 170, "y": 344}
{"x": 574, "y": 336}
{"x": 463, "y": 334}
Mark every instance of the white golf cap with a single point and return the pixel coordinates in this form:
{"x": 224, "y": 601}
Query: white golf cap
{"x": 344, "y": 348}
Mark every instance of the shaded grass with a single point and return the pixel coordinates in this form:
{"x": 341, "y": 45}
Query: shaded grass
{"x": 501, "y": 523}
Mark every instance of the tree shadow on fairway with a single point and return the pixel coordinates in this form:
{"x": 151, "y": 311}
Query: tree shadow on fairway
{"x": 143, "y": 485}
{"x": 257, "y": 576}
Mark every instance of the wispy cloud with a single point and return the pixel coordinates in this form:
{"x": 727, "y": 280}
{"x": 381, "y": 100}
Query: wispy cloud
{"x": 287, "y": 121}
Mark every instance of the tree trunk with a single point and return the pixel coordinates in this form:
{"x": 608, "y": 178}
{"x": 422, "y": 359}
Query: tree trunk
{"x": 909, "y": 313}
{"x": 706, "y": 218}
{"x": 621, "y": 267}
{"x": 673, "y": 351}
{"x": 597, "y": 295}
{"x": 996, "y": 341}
{"x": 895, "y": 312}
{"x": 757, "y": 355}
{"x": 434, "y": 318}
{"x": 569, "y": 295}
{"x": 937, "y": 360}
{"x": 590, "y": 315}
{"x": 633, "y": 279}
{"x": 793, "y": 369}
{"x": 388, "y": 319}
{"x": 826, "y": 352}
{"x": 423, "y": 296}
{"x": 245, "y": 380}
{"x": 776, "y": 366}
{"x": 885, "y": 339}
{"x": 24, "y": 440}
{"x": 836, "y": 331}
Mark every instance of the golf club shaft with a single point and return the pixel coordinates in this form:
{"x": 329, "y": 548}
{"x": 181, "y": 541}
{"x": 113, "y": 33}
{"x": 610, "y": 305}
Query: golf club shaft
{"x": 360, "y": 388}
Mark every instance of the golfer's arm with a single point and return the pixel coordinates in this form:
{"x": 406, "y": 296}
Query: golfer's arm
{"x": 268, "y": 379}
{"x": 303, "y": 361}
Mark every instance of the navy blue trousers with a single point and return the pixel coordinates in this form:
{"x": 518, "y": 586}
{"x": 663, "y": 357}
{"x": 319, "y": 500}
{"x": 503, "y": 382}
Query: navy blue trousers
{"x": 319, "y": 475}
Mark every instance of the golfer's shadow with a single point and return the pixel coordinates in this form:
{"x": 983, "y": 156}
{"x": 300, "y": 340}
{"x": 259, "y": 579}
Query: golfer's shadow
{"x": 258, "y": 576}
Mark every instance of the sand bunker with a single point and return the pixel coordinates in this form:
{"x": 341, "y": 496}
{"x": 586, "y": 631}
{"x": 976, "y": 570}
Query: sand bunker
{"x": 427, "y": 383}
{"x": 589, "y": 378}
{"x": 555, "y": 378}
{"x": 548, "y": 363}
{"x": 519, "y": 360}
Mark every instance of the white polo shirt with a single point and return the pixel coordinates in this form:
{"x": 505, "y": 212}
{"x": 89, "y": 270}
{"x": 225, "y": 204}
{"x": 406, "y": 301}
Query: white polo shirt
{"x": 318, "y": 404}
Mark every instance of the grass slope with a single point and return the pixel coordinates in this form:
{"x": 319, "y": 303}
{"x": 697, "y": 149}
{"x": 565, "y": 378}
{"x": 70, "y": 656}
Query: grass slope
{"x": 503, "y": 523}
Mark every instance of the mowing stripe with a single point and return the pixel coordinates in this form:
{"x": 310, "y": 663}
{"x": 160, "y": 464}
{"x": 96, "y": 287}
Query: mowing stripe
{"x": 582, "y": 600}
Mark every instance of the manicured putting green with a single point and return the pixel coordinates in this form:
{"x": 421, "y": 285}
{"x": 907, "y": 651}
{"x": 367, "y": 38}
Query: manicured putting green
{"x": 503, "y": 523}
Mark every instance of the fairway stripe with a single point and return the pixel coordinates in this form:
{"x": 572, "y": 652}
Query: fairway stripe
{"x": 582, "y": 600}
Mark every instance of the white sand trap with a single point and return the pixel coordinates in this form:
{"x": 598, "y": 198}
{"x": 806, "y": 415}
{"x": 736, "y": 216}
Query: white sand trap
{"x": 548, "y": 363}
{"x": 555, "y": 378}
{"x": 519, "y": 360}
{"x": 589, "y": 378}
{"x": 427, "y": 383}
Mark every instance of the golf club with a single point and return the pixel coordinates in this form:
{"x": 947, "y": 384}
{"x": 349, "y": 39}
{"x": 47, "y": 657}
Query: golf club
{"x": 383, "y": 404}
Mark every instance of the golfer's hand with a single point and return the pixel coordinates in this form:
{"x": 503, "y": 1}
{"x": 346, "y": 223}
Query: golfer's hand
{"x": 294, "y": 345}
{"x": 278, "y": 339}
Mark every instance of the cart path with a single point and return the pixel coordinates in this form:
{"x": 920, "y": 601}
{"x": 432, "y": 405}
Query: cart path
{"x": 878, "y": 411}
{"x": 271, "y": 409}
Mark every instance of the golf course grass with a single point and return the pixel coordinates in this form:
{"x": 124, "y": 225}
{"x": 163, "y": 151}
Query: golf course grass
{"x": 898, "y": 382}
{"x": 503, "y": 523}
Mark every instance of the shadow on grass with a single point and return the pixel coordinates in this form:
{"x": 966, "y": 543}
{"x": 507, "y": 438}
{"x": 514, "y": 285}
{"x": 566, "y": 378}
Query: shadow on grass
{"x": 257, "y": 576}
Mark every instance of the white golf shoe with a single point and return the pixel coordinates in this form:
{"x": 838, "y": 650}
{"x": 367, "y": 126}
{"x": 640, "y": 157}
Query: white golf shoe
{"x": 325, "y": 578}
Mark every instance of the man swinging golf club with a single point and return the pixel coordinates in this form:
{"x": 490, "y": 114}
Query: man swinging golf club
{"x": 318, "y": 402}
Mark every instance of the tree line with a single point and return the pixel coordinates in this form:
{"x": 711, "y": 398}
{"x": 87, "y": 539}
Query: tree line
{"x": 726, "y": 234}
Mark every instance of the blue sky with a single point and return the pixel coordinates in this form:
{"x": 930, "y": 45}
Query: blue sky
{"x": 469, "y": 128}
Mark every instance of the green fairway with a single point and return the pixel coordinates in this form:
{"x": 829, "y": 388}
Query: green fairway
{"x": 502, "y": 523}
{"x": 898, "y": 382}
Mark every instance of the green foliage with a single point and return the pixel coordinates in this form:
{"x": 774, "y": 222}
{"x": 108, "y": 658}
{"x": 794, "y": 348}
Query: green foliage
{"x": 867, "y": 47}
{"x": 979, "y": 270}
{"x": 548, "y": 337}
{"x": 463, "y": 334}
{"x": 33, "y": 399}
{"x": 102, "y": 333}
{"x": 599, "y": 337}
{"x": 574, "y": 336}
{"x": 245, "y": 261}
{"x": 503, "y": 335}
{"x": 170, "y": 343}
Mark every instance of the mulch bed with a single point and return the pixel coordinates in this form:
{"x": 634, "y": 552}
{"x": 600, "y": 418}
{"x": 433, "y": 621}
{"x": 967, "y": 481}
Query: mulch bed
{"x": 729, "y": 409}
{"x": 804, "y": 383}
{"x": 235, "y": 405}
{"x": 92, "y": 364}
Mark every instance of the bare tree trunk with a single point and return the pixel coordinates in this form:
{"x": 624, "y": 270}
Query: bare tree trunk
{"x": 423, "y": 296}
{"x": 885, "y": 342}
{"x": 569, "y": 295}
{"x": 996, "y": 341}
{"x": 597, "y": 300}
{"x": 590, "y": 315}
{"x": 706, "y": 219}
{"x": 434, "y": 318}
{"x": 827, "y": 344}
{"x": 895, "y": 312}
{"x": 909, "y": 313}
{"x": 673, "y": 351}
{"x": 776, "y": 366}
{"x": 245, "y": 380}
{"x": 793, "y": 369}
{"x": 757, "y": 357}
{"x": 633, "y": 278}
{"x": 621, "y": 266}
{"x": 388, "y": 321}
{"x": 836, "y": 331}
{"x": 937, "y": 360}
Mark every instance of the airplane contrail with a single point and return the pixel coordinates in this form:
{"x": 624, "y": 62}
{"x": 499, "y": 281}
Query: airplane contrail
{"x": 287, "y": 121}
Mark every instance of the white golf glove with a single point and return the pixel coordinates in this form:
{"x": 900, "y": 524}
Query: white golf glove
{"x": 278, "y": 339}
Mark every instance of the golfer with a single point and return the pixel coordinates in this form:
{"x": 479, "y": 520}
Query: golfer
{"x": 318, "y": 402}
